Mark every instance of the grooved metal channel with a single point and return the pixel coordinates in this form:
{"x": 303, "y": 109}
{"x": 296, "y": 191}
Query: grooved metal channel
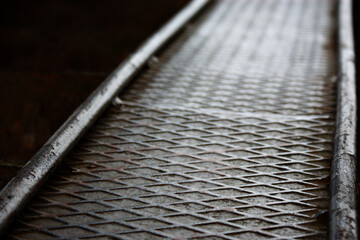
{"x": 228, "y": 135}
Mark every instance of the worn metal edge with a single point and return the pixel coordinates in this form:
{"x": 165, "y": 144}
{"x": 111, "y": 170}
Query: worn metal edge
{"x": 343, "y": 203}
{"x": 22, "y": 187}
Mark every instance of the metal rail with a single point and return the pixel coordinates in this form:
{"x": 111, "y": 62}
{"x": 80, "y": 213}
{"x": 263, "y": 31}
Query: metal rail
{"x": 224, "y": 138}
{"x": 21, "y": 188}
{"x": 343, "y": 207}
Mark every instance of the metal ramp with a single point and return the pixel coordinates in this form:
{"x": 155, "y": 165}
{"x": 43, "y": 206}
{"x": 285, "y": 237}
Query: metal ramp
{"x": 228, "y": 134}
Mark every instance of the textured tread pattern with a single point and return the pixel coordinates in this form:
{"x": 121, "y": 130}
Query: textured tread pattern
{"x": 228, "y": 136}
{"x": 170, "y": 172}
{"x": 249, "y": 56}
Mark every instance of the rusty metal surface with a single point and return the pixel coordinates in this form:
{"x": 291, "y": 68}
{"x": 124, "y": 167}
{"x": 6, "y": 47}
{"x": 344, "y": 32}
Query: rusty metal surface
{"x": 228, "y": 135}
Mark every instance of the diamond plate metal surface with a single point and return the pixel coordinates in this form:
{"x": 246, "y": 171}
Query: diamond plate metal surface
{"x": 228, "y": 136}
{"x": 146, "y": 172}
{"x": 250, "y": 56}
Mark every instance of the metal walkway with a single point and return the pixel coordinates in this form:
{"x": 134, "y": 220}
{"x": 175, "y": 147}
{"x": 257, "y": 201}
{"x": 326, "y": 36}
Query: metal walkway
{"x": 228, "y": 134}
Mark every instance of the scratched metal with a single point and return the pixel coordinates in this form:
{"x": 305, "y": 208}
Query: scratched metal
{"x": 228, "y": 135}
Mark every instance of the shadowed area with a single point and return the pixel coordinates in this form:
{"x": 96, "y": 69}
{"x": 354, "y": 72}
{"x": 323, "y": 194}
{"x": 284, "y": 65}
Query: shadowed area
{"x": 54, "y": 54}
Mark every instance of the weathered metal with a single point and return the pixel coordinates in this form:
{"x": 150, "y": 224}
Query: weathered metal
{"x": 225, "y": 136}
{"x": 343, "y": 207}
{"x": 20, "y": 189}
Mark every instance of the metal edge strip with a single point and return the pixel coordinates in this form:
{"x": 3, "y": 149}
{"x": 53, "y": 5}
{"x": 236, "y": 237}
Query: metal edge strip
{"x": 343, "y": 203}
{"x": 22, "y": 187}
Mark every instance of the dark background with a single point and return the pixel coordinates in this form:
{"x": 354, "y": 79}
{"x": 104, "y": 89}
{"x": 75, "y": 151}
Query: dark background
{"x": 53, "y": 54}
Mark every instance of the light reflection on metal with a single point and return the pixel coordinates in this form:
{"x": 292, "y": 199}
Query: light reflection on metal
{"x": 229, "y": 135}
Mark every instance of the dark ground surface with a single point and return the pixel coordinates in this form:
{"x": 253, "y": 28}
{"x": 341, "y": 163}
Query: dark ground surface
{"x": 54, "y": 54}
